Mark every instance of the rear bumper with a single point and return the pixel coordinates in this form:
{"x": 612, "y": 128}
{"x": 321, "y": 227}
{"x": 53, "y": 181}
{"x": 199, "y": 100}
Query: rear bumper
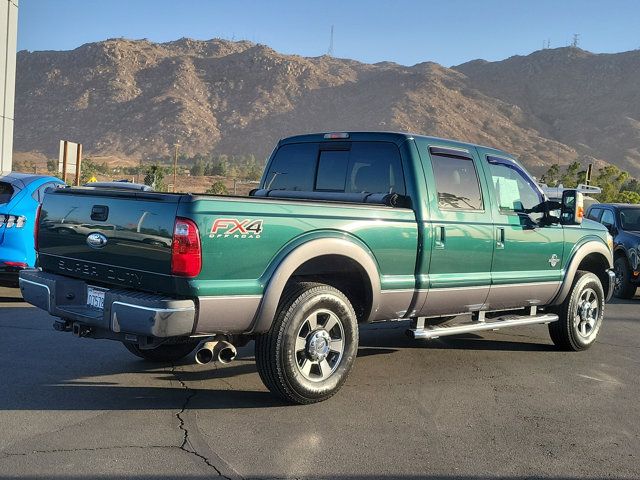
{"x": 125, "y": 311}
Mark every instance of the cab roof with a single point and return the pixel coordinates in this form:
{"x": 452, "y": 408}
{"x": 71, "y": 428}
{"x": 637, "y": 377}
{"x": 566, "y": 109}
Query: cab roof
{"x": 395, "y": 137}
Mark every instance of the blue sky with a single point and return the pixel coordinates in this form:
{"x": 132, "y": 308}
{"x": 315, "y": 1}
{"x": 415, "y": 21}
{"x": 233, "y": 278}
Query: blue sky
{"x": 405, "y": 31}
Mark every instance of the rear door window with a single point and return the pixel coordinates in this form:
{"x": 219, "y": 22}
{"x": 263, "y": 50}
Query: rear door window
{"x": 457, "y": 183}
{"x": 594, "y": 214}
{"x": 6, "y": 192}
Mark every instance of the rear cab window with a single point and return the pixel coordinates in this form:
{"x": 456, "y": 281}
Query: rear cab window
{"x": 341, "y": 167}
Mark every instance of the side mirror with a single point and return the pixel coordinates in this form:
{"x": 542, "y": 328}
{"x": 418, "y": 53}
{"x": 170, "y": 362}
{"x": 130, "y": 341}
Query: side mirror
{"x": 572, "y": 208}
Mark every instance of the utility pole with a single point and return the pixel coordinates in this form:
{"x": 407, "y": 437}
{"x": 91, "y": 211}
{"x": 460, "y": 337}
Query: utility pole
{"x": 330, "y": 51}
{"x": 175, "y": 165}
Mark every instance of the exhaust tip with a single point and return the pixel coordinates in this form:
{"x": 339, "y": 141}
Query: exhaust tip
{"x": 227, "y": 354}
{"x": 204, "y": 356}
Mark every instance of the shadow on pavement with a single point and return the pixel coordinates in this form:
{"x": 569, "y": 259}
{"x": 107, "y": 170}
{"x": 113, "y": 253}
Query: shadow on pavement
{"x": 332, "y": 477}
{"x": 17, "y": 299}
{"x": 383, "y": 339}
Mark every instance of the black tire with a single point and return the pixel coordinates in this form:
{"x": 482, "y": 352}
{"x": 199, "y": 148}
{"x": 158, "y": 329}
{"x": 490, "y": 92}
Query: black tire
{"x": 578, "y": 327}
{"x": 292, "y": 360}
{"x": 163, "y": 353}
{"x": 623, "y": 287}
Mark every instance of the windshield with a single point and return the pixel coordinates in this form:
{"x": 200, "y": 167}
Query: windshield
{"x": 630, "y": 219}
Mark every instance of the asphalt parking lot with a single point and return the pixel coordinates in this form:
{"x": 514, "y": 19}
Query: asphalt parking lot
{"x": 499, "y": 405}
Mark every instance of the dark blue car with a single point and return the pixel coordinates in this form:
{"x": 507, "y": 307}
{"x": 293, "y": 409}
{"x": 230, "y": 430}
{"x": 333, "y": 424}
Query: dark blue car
{"x": 20, "y": 195}
{"x": 623, "y": 222}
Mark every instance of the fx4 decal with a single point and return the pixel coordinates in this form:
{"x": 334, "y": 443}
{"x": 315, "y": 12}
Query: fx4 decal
{"x": 232, "y": 227}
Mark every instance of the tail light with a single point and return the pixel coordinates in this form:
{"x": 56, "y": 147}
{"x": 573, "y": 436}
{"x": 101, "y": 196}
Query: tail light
{"x": 36, "y": 227}
{"x": 15, "y": 264}
{"x": 186, "y": 254}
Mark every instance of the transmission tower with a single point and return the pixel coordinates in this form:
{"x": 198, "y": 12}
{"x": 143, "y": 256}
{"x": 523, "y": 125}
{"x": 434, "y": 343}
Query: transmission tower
{"x": 576, "y": 40}
{"x": 330, "y": 51}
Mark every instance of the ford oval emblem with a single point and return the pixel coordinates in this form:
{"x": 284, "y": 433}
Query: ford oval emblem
{"x": 96, "y": 240}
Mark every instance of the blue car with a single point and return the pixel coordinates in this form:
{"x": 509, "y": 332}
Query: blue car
{"x": 20, "y": 196}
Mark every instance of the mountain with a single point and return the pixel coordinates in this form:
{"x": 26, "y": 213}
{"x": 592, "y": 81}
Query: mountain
{"x": 134, "y": 99}
{"x": 588, "y": 101}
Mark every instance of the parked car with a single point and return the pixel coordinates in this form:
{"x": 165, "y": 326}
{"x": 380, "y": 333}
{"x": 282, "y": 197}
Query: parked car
{"x": 623, "y": 222}
{"x": 20, "y": 196}
{"x": 346, "y": 228}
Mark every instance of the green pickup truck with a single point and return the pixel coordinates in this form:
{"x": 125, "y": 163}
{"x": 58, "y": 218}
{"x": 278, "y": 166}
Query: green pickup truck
{"x": 346, "y": 228}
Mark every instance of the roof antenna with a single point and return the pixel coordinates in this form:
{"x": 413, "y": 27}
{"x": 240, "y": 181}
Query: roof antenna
{"x": 330, "y": 51}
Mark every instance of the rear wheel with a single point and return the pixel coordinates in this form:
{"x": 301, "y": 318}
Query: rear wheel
{"x": 580, "y": 314}
{"x": 163, "y": 353}
{"x": 623, "y": 287}
{"x": 308, "y": 353}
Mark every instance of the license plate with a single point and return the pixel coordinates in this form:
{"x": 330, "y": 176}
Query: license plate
{"x": 95, "y": 297}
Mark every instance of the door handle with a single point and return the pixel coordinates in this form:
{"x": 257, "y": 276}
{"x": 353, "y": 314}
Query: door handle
{"x": 439, "y": 236}
{"x": 500, "y": 237}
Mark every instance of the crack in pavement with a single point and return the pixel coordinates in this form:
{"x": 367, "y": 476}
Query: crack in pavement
{"x": 187, "y": 441}
{"x": 83, "y": 449}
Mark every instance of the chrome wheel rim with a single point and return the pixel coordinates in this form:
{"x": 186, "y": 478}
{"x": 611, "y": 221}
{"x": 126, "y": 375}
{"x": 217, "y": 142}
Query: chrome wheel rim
{"x": 617, "y": 286}
{"x": 319, "y": 345}
{"x": 587, "y": 313}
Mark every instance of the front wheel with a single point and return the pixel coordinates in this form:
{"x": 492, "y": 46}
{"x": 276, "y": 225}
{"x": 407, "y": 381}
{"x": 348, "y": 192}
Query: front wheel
{"x": 308, "y": 353}
{"x": 623, "y": 287}
{"x": 580, "y": 314}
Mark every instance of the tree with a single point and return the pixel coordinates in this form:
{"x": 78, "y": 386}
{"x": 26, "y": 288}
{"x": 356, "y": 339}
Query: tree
{"x": 552, "y": 176}
{"x": 570, "y": 177}
{"x": 610, "y": 179}
{"x": 154, "y": 177}
{"x": 627, "y": 196}
{"x": 52, "y": 166}
{"x": 218, "y": 188}
{"x": 253, "y": 173}
{"x": 198, "y": 168}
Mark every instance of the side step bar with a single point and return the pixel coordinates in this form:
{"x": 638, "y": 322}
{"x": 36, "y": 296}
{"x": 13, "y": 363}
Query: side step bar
{"x": 426, "y": 331}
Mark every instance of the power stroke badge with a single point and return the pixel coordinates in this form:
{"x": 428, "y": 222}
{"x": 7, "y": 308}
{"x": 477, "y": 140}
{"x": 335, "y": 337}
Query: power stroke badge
{"x": 234, "y": 228}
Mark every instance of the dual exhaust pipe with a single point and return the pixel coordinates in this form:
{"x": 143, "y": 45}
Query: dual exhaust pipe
{"x": 216, "y": 351}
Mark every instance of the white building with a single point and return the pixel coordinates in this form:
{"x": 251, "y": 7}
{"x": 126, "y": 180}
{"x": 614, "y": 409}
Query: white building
{"x": 8, "y": 48}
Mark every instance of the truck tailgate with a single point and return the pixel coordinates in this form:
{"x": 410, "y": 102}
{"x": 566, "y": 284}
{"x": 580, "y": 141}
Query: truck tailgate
{"x": 109, "y": 237}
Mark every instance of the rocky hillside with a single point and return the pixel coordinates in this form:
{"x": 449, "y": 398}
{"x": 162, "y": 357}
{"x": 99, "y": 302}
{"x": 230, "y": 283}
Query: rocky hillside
{"x": 133, "y": 99}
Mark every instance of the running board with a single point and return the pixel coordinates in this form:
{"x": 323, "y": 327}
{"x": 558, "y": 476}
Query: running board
{"x": 427, "y": 331}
